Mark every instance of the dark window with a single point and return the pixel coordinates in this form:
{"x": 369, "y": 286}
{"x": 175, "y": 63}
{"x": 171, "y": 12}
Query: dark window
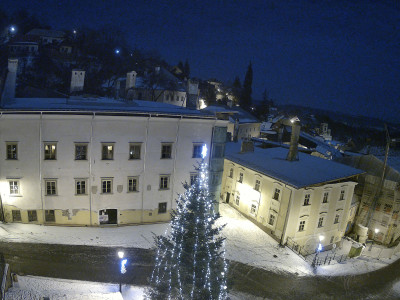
{"x": 237, "y": 200}
{"x": 276, "y": 194}
{"x": 134, "y": 151}
{"x": 132, "y": 184}
{"x": 320, "y": 222}
{"x": 197, "y": 151}
{"x": 16, "y": 215}
{"x": 32, "y": 215}
{"x": 325, "y": 199}
{"x": 301, "y": 226}
{"x": 80, "y": 152}
{"x": 193, "y": 178}
{"x": 164, "y": 182}
{"x": 49, "y": 216}
{"x": 166, "y": 150}
{"x": 80, "y": 187}
{"x": 106, "y": 186}
{"x": 240, "y": 177}
{"x": 307, "y": 199}
{"x": 218, "y": 151}
{"x": 271, "y": 220}
{"x": 162, "y": 207}
{"x": 12, "y": 151}
{"x": 257, "y": 185}
{"x": 51, "y": 187}
{"x": 336, "y": 219}
{"x": 231, "y": 173}
{"x": 341, "y": 195}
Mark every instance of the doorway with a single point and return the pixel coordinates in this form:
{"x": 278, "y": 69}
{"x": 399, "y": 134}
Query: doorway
{"x": 228, "y": 195}
{"x": 108, "y": 216}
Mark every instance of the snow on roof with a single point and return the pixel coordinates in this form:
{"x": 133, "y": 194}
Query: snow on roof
{"x": 240, "y": 114}
{"x": 307, "y": 171}
{"x": 100, "y": 105}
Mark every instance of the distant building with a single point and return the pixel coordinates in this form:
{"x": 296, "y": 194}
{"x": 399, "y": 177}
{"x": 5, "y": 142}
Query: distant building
{"x": 297, "y": 201}
{"x": 47, "y": 36}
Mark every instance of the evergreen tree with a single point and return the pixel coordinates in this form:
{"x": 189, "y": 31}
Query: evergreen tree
{"x": 186, "y": 69}
{"x": 190, "y": 262}
{"x": 236, "y": 90}
{"x": 245, "y": 99}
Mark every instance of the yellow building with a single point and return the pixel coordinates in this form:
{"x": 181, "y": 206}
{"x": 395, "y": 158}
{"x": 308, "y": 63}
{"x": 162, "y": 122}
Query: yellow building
{"x": 301, "y": 202}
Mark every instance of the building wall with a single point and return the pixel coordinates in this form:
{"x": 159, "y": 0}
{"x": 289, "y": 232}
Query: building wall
{"x": 177, "y": 98}
{"x": 290, "y": 201}
{"x": 31, "y": 131}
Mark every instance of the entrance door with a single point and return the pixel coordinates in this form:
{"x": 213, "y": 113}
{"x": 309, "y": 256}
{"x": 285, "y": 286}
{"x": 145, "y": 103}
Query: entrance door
{"x": 228, "y": 195}
{"x": 108, "y": 216}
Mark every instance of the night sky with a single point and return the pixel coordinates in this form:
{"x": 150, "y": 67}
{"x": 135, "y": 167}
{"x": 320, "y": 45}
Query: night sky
{"x": 338, "y": 55}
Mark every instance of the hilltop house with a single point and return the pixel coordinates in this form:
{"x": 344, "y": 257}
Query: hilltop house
{"x": 298, "y": 202}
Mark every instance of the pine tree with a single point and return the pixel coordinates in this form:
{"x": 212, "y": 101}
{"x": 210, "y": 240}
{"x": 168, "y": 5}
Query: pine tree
{"x": 190, "y": 262}
{"x": 236, "y": 90}
{"x": 245, "y": 99}
{"x": 186, "y": 69}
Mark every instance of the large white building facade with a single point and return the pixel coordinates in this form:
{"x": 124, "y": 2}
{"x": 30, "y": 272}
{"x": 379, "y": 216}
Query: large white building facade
{"x": 87, "y": 163}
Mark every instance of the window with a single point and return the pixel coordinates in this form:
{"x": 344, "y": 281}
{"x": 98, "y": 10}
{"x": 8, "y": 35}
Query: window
{"x": 164, "y": 182}
{"x": 271, "y": 220}
{"x": 80, "y": 152}
{"x": 106, "y": 185}
{"x": 50, "y": 151}
{"x": 12, "y": 151}
{"x": 276, "y": 194}
{"x": 320, "y": 222}
{"x": 237, "y": 200}
{"x": 107, "y": 152}
{"x": 80, "y": 187}
{"x": 14, "y": 187}
{"x": 197, "y": 149}
{"x": 240, "y": 177}
{"x": 257, "y": 185}
{"x": 134, "y": 151}
{"x": 166, "y": 151}
{"x": 325, "y": 198}
{"x": 341, "y": 195}
{"x": 231, "y": 173}
{"x": 253, "y": 209}
{"x": 218, "y": 151}
{"x": 16, "y": 215}
{"x": 133, "y": 184}
{"x": 307, "y": 199}
{"x": 332, "y": 238}
{"x": 49, "y": 215}
{"x": 51, "y": 187}
{"x": 32, "y": 216}
{"x": 193, "y": 178}
{"x": 162, "y": 207}
{"x": 214, "y": 178}
{"x": 336, "y": 219}
{"x": 302, "y": 225}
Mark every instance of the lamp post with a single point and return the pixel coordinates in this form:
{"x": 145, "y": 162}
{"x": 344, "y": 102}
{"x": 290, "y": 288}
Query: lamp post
{"x": 122, "y": 268}
{"x": 318, "y": 250}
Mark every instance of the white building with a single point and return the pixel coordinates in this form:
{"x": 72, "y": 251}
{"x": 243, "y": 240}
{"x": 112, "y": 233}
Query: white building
{"x": 100, "y": 161}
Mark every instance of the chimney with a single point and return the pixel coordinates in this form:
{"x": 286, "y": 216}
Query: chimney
{"x": 294, "y": 140}
{"x": 11, "y": 80}
{"x": 130, "y": 80}
{"x": 247, "y": 146}
{"x": 77, "y": 81}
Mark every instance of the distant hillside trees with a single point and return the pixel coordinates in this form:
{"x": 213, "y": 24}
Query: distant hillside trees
{"x": 245, "y": 98}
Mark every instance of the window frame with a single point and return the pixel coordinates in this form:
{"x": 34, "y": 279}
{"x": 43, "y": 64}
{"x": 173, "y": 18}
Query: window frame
{"x": 193, "y": 178}
{"x": 109, "y": 190}
{"x": 161, "y": 186}
{"x": 257, "y": 185}
{"x": 13, "y": 153}
{"x": 241, "y": 176}
{"x": 253, "y": 209}
{"x": 307, "y": 199}
{"x": 237, "y": 200}
{"x": 50, "y": 155}
{"x": 85, "y": 145}
{"x": 133, "y": 155}
{"x": 342, "y": 195}
{"x": 164, "y": 206}
{"x": 136, "y": 185}
{"x": 46, "y": 183}
{"x": 320, "y": 222}
{"x": 337, "y": 218}
{"x": 18, "y": 185}
{"x": 230, "y": 173}
{"x": 302, "y": 225}
{"x": 105, "y": 152}
{"x": 30, "y": 214}
{"x": 325, "y": 199}
{"x": 166, "y": 154}
{"x": 271, "y": 217}
{"x": 80, "y": 180}
{"x": 16, "y": 215}
{"x": 48, "y": 213}
{"x": 197, "y": 150}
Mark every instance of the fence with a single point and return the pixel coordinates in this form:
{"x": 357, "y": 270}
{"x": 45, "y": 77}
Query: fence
{"x": 328, "y": 259}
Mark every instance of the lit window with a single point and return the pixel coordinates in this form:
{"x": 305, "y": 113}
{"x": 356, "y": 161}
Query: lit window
{"x": 32, "y": 216}
{"x": 12, "y": 151}
{"x": 162, "y": 207}
{"x": 231, "y": 173}
{"x": 164, "y": 182}
{"x": 253, "y": 209}
{"x": 16, "y": 215}
{"x": 134, "y": 151}
{"x": 307, "y": 199}
{"x": 133, "y": 184}
{"x": 80, "y": 151}
{"x": 325, "y": 199}
{"x": 80, "y": 187}
{"x": 277, "y": 192}
{"x": 106, "y": 185}
{"x": 301, "y": 226}
{"x": 50, "y": 151}
{"x": 14, "y": 187}
{"x": 341, "y": 195}
{"x": 240, "y": 177}
{"x": 197, "y": 149}
{"x": 51, "y": 187}
{"x": 107, "y": 152}
{"x": 193, "y": 178}
{"x": 320, "y": 222}
{"x": 271, "y": 220}
{"x": 166, "y": 151}
{"x": 336, "y": 219}
{"x": 257, "y": 185}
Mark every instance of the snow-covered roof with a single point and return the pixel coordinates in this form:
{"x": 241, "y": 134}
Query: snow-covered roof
{"x": 100, "y": 105}
{"x": 307, "y": 171}
{"x": 240, "y": 114}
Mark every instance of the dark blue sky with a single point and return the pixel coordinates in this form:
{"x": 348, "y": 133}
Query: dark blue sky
{"x": 339, "y": 55}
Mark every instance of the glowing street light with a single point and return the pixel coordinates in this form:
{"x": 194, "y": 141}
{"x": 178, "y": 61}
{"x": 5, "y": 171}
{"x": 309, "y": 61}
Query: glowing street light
{"x": 117, "y": 51}
{"x": 123, "y": 263}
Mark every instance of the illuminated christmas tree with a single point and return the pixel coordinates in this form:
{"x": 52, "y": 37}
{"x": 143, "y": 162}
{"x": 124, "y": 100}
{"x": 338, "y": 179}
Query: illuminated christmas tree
{"x": 190, "y": 261}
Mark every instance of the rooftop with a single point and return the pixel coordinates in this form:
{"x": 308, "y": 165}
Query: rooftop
{"x": 307, "y": 171}
{"x": 47, "y": 33}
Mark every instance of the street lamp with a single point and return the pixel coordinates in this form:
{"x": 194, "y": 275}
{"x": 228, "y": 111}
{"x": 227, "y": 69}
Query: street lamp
{"x": 318, "y": 250}
{"x": 122, "y": 268}
{"x": 376, "y": 230}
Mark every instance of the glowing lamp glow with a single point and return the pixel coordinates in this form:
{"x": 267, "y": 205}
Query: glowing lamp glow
{"x": 321, "y": 238}
{"x": 319, "y": 247}
{"x": 117, "y": 51}
{"x": 121, "y": 254}
{"x": 204, "y": 151}
{"x": 376, "y": 230}
{"x": 12, "y": 28}
{"x": 123, "y": 266}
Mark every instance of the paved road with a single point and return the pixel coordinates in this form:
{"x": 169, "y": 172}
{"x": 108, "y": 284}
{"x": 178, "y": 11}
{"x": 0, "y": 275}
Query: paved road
{"x": 101, "y": 264}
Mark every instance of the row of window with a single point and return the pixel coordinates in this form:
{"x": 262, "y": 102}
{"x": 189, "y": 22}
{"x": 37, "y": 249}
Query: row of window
{"x": 320, "y": 222}
{"x": 107, "y": 151}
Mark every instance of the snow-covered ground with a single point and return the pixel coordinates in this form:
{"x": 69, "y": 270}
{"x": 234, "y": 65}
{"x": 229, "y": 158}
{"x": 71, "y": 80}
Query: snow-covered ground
{"x": 245, "y": 243}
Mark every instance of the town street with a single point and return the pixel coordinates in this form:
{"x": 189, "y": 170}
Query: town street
{"x": 101, "y": 264}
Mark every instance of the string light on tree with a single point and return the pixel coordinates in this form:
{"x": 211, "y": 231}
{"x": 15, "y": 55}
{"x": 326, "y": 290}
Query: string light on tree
{"x": 190, "y": 261}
